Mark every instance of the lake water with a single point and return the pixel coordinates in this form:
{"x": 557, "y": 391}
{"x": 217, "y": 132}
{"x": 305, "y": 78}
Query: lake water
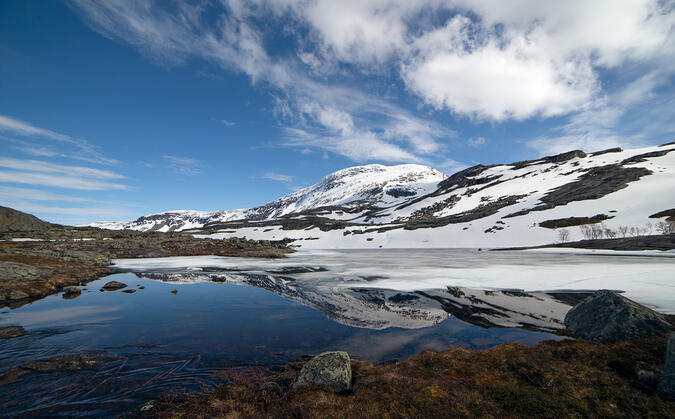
{"x": 156, "y": 341}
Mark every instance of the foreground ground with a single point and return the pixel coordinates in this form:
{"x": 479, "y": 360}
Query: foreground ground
{"x": 60, "y": 256}
{"x": 552, "y": 379}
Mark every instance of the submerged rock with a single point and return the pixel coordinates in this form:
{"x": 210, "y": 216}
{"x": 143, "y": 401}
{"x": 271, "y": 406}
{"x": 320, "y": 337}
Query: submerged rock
{"x": 7, "y": 332}
{"x": 18, "y": 295}
{"x": 130, "y": 291}
{"x": 114, "y": 285}
{"x": 666, "y": 387}
{"x": 174, "y": 291}
{"x": 606, "y": 317}
{"x": 330, "y": 371}
{"x": 72, "y": 289}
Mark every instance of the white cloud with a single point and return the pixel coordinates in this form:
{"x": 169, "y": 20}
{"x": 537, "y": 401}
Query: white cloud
{"x": 450, "y": 166}
{"x": 277, "y": 177}
{"x": 482, "y": 59}
{"x": 476, "y": 142}
{"x": 38, "y": 172}
{"x": 183, "y": 165}
{"x": 83, "y": 149}
{"x": 228, "y": 123}
{"x": 46, "y": 167}
{"x": 595, "y": 128}
{"x": 61, "y": 181}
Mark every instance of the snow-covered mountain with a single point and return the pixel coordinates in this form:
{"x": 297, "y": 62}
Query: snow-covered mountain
{"x": 360, "y": 186}
{"x": 520, "y": 203}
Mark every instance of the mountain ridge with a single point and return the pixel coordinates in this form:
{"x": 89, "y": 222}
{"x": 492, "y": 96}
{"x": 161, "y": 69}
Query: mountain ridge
{"x": 384, "y": 206}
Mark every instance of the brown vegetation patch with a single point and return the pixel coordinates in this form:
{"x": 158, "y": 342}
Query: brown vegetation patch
{"x": 574, "y": 221}
{"x": 551, "y": 379}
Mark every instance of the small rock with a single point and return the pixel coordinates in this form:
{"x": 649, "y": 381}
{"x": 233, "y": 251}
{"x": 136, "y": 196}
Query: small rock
{"x": 18, "y": 295}
{"x": 666, "y": 387}
{"x": 72, "y": 289}
{"x": 141, "y": 288}
{"x": 174, "y": 291}
{"x": 2, "y": 297}
{"x": 7, "y": 332}
{"x": 330, "y": 371}
{"x": 114, "y": 285}
{"x": 131, "y": 291}
{"x": 148, "y": 406}
{"x": 606, "y": 317}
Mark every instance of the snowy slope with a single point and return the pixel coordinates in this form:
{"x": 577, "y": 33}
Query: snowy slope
{"x": 483, "y": 206}
{"x": 362, "y": 185}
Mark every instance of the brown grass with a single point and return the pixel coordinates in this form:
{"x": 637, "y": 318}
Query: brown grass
{"x": 551, "y": 379}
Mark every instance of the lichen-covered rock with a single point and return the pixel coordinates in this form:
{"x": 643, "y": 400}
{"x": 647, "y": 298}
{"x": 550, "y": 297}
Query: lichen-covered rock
{"x": 114, "y": 285}
{"x": 18, "y": 295}
{"x": 666, "y": 387}
{"x": 330, "y": 371}
{"x": 7, "y": 332}
{"x": 72, "y": 289}
{"x": 606, "y": 317}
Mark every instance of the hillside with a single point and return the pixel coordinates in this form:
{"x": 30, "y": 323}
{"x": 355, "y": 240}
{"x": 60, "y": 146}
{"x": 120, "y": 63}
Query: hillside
{"x": 517, "y": 204}
{"x": 13, "y": 220}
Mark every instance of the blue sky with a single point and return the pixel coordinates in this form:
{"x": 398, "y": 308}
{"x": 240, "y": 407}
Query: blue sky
{"x": 111, "y": 110}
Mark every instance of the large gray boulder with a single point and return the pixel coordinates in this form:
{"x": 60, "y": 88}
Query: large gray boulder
{"x": 607, "y": 317}
{"x": 330, "y": 371}
{"x": 666, "y": 387}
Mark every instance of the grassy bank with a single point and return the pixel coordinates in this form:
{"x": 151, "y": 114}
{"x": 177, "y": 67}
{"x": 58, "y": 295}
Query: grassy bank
{"x": 552, "y": 379}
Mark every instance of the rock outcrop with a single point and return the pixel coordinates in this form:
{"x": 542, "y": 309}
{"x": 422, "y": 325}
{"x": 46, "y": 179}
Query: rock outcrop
{"x": 606, "y": 317}
{"x": 330, "y": 371}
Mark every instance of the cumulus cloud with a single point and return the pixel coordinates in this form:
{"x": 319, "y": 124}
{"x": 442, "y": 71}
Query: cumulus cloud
{"x": 595, "y": 129}
{"x": 481, "y": 59}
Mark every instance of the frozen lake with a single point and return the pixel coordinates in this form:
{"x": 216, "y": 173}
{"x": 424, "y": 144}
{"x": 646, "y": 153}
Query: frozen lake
{"x": 646, "y": 277}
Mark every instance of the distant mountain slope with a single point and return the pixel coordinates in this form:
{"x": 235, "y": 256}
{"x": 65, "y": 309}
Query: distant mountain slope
{"x": 13, "y": 220}
{"x": 370, "y": 185}
{"x": 416, "y": 206}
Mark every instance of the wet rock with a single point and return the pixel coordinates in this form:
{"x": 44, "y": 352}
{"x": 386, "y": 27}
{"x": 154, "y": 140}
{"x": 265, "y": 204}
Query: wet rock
{"x": 606, "y": 317}
{"x": 174, "y": 291}
{"x": 7, "y": 332}
{"x": 666, "y": 387}
{"x": 330, "y": 371}
{"x": 72, "y": 289}
{"x": 148, "y": 406}
{"x": 114, "y": 285}
{"x": 131, "y": 291}
{"x": 18, "y": 295}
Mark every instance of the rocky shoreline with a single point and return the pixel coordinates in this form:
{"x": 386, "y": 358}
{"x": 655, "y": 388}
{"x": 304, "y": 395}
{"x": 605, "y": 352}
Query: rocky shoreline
{"x": 43, "y": 258}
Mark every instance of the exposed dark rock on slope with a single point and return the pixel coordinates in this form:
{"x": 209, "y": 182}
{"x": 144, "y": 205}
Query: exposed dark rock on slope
{"x": 607, "y": 317}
